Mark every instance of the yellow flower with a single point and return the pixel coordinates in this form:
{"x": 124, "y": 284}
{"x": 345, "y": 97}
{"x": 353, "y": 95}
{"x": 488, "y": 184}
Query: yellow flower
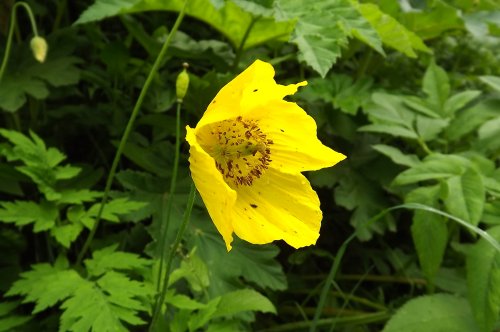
{"x": 246, "y": 158}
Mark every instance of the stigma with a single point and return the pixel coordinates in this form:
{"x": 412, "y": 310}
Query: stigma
{"x": 241, "y": 151}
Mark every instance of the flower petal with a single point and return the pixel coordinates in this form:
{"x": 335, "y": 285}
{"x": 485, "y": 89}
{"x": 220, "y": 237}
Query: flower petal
{"x": 278, "y": 206}
{"x": 254, "y": 87}
{"x": 296, "y": 147}
{"x": 218, "y": 197}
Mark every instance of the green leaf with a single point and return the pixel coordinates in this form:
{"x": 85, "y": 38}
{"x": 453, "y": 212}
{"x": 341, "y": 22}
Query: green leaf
{"x": 194, "y": 270}
{"x": 428, "y": 129}
{"x": 112, "y": 210}
{"x": 46, "y": 285}
{"x": 390, "y": 109}
{"x": 388, "y": 129}
{"x": 347, "y": 95}
{"x": 104, "y": 305}
{"x": 243, "y": 300}
{"x": 483, "y": 281}
{"x": 492, "y": 81}
{"x": 438, "y": 312}
{"x": 66, "y": 234}
{"x": 78, "y": 196}
{"x": 22, "y": 213}
{"x": 397, "y": 156}
{"x": 436, "y": 86}
{"x": 9, "y": 321}
{"x": 435, "y": 166}
{"x": 32, "y": 78}
{"x": 108, "y": 259}
{"x": 256, "y": 264}
{"x": 488, "y": 135}
{"x": 222, "y": 20}
{"x": 203, "y": 316}
{"x": 428, "y": 230}
{"x": 392, "y": 33}
{"x": 469, "y": 119}
{"x": 466, "y": 196}
{"x": 323, "y": 28}
{"x": 183, "y": 302}
{"x": 460, "y": 100}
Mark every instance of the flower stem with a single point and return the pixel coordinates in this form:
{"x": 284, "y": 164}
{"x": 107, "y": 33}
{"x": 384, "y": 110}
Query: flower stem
{"x": 128, "y": 130}
{"x": 173, "y": 181}
{"x": 171, "y": 254}
{"x": 11, "y": 32}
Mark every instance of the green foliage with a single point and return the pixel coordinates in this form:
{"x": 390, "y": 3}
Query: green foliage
{"x": 408, "y": 90}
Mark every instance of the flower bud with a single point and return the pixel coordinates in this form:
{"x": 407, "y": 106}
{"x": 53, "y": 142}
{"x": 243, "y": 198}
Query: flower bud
{"x": 39, "y": 48}
{"x": 182, "y": 83}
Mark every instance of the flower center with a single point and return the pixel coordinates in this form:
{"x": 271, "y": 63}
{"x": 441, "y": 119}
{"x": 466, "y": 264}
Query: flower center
{"x": 240, "y": 149}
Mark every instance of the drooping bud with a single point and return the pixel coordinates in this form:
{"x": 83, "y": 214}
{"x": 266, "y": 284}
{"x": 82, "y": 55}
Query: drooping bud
{"x": 182, "y": 83}
{"x": 39, "y": 48}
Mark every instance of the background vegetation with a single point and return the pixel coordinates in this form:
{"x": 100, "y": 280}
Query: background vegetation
{"x": 408, "y": 90}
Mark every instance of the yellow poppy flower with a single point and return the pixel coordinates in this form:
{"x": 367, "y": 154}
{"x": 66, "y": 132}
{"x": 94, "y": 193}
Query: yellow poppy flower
{"x": 246, "y": 158}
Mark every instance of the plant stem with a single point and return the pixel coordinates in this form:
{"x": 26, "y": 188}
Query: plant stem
{"x": 173, "y": 181}
{"x": 239, "y": 51}
{"x": 11, "y": 32}
{"x": 171, "y": 254}
{"x": 128, "y": 130}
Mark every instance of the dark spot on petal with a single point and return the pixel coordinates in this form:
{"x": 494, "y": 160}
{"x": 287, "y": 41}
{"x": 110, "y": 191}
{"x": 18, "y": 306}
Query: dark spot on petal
{"x": 282, "y": 130}
{"x": 255, "y": 90}
{"x": 213, "y": 102}
{"x": 253, "y": 205}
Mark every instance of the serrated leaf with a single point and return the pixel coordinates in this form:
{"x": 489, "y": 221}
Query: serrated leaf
{"x": 183, "y": 302}
{"x": 483, "y": 281}
{"x": 66, "y": 234}
{"x": 466, "y": 196}
{"x": 104, "y": 305}
{"x": 46, "y": 285}
{"x": 194, "y": 270}
{"x": 204, "y": 315}
{"x": 438, "y": 312}
{"x": 428, "y": 230}
{"x": 392, "y": 33}
{"x": 323, "y": 28}
{"x": 435, "y": 166}
{"x": 222, "y": 20}
{"x": 10, "y": 323}
{"x": 108, "y": 259}
{"x": 243, "y": 300}
{"x": 397, "y": 156}
{"x": 22, "y": 213}
{"x": 112, "y": 210}
{"x": 78, "y": 196}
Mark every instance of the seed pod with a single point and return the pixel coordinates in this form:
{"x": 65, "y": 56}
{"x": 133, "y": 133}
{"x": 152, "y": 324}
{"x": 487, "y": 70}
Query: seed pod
{"x": 39, "y": 48}
{"x": 182, "y": 83}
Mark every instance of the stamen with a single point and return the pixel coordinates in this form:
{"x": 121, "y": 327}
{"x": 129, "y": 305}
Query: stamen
{"x": 241, "y": 150}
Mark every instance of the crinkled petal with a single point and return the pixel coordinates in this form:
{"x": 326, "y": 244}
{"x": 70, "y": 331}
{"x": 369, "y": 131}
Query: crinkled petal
{"x": 278, "y": 206}
{"x": 218, "y": 197}
{"x": 296, "y": 147}
{"x": 251, "y": 89}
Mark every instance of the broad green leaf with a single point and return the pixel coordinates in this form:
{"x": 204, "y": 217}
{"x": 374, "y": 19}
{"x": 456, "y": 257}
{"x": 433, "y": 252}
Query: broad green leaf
{"x": 108, "y": 259}
{"x": 223, "y": 20}
{"x": 323, "y": 28}
{"x": 397, "y": 156}
{"x": 46, "y": 285}
{"x": 436, "y": 86}
{"x": 438, "y": 312}
{"x": 428, "y": 129}
{"x": 32, "y": 78}
{"x": 466, "y": 196}
{"x": 243, "y": 300}
{"x": 390, "y": 109}
{"x": 460, "y": 100}
{"x": 105, "y": 305}
{"x": 428, "y": 230}
{"x": 203, "y": 316}
{"x": 392, "y": 33}
{"x": 389, "y": 129}
{"x": 183, "y": 302}
{"x": 22, "y": 213}
{"x": 468, "y": 120}
{"x": 492, "y": 81}
{"x": 437, "y": 18}
{"x": 488, "y": 135}
{"x": 436, "y": 166}
{"x": 482, "y": 23}
{"x": 421, "y": 106}
{"x": 483, "y": 281}
{"x": 255, "y": 264}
